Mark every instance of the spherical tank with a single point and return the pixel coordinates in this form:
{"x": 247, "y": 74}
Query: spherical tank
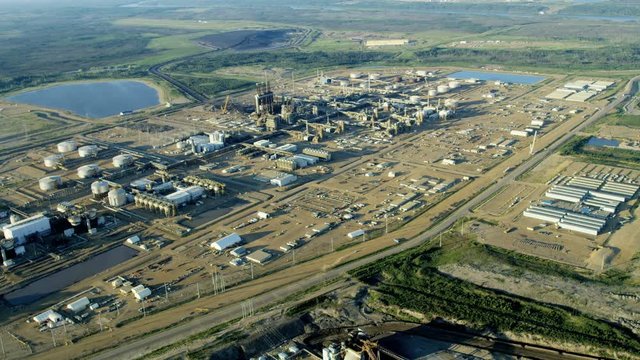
{"x": 87, "y": 151}
{"x": 67, "y": 146}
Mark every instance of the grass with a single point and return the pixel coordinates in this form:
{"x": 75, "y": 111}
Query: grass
{"x": 577, "y": 148}
{"x": 411, "y": 280}
{"x": 219, "y": 25}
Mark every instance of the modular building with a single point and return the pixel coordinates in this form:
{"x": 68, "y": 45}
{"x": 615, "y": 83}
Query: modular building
{"x": 355, "y": 234}
{"x": 48, "y": 315}
{"x": 259, "y": 257}
{"x": 319, "y": 153}
{"x": 283, "y": 180}
{"x": 184, "y": 196}
{"x": 78, "y": 305}
{"x": 20, "y": 230}
{"x": 227, "y": 242}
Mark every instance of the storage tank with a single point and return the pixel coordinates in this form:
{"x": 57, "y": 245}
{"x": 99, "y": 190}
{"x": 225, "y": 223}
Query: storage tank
{"x": 74, "y": 220}
{"x": 121, "y": 161}
{"x": 421, "y": 73}
{"x": 344, "y": 83}
{"x": 432, "y": 92}
{"x": 355, "y": 75}
{"x": 99, "y": 188}
{"x": 443, "y": 89}
{"x": 117, "y": 197}
{"x": 444, "y": 114}
{"x": 454, "y": 84}
{"x": 88, "y": 171}
{"x": 451, "y": 103}
{"x": 67, "y": 146}
{"x": 374, "y": 76}
{"x": 414, "y": 99}
{"x": 50, "y": 183}
{"x": 52, "y": 160}
{"x": 181, "y": 145}
{"x": 87, "y": 151}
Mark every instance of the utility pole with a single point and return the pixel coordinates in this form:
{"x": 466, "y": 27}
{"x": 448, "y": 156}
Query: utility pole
{"x": 198, "y": 289}
{"x": 294, "y": 256}
{"x": 100, "y": 320}
{"x": 441, "y": 240}
{"x": 166, "y": 292}
{"x": 117, "y": 309}
{"x": 4, "y": 353}
{"x": 53, "y": 338}
{"x": 251, "y": 266}
{"x": 462, "y": 228}
{"x": 332, "y": 250}
{"x": 386, "y": 223}
{"x": 144, "y": 311}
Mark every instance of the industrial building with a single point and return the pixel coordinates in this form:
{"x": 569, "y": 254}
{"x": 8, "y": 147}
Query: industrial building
{"x": 226, "y": 242}
{"x": 283, "y": 179}
{"x": 184, "y": 196}
{"x": 78, "y": 305}
{"x": 566, "y": 219}
{"x": 36, "y": 225}
{"x": 259, "y": 257}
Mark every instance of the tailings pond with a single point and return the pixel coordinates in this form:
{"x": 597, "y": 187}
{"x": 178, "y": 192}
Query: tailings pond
{"x": 249, "y": 39}
{"x": 497, "y": 76}
{"x": 93, "y": 99}
{"x": 69, "y": 276}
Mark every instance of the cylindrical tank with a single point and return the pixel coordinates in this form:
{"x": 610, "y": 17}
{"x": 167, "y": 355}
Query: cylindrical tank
{"x": 443, "y": 89}
{"x": 67, "y": 146}
{"x": 52, "y": 160}
{"x": 451, "y": 103}
{"x": 444, "y": 114}
{"x": 414, "y": 99}
{"x": 363, "y": 85}
{"x": 117, "y": 197}
{"x": 123, "y": 160}
{"x": 87, "y": 151}
{"x": 88, "y": 171}
{"x": 421, "y": 73}
{"x": 355, "y": 75}
{"x": 454, "y": 84}
{"x": 344, "y": 83}
{"x": 432, "y": 92}
{"x": 181, "y": 145}
{"x": 50, "y": 183}
{"x": 74, "y": 220}
{"x": 99, "y": 188}
{"x": 471, "y": 81}
{"x": 374, "y": 76}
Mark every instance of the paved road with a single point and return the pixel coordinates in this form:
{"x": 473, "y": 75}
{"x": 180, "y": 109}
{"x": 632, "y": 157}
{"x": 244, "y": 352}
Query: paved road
{"x": 143, "y": 346}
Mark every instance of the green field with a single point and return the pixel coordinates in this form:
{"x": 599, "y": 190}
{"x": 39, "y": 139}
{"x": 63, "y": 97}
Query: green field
{"x": 412, "y": 281}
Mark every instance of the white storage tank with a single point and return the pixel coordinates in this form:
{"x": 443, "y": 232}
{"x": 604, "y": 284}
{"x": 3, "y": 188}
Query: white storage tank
{"x": 99, "y": 188}
{"x": 52, "y": 161}
{"x": 432, "y": 92}
{"x": 414, "y": 99}
{"x": 374, "y": 76}
{"x": 88, "y": 171}
{"x": 67, "y": 146}
{"x": 355, "y": 75}
{"x": 421, "y": 73}
{"x": 454, "y": 84}
{"x": 117, "y": 197}
{"x": 443, "y": 89}
{"x": 87, "y": 151}
{"x": 344, "y": 83}
{"x": 121, "y": 161}
{"x": 444, "y": 114}
{"x": 451, "y": 103}
{"x": 50, "y": 183}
